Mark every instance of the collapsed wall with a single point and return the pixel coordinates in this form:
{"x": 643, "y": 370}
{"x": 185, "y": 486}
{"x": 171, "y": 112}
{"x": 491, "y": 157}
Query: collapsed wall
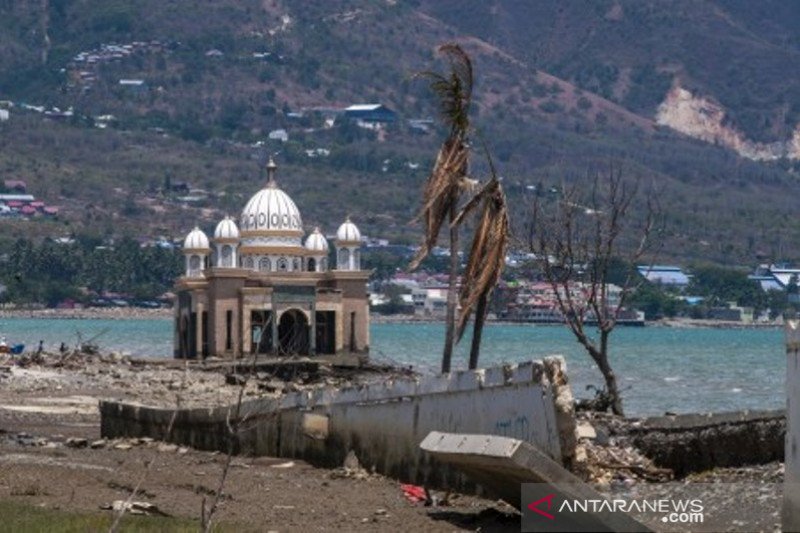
{"x": 382, "y": 423}
{"x": 697, "y": 442}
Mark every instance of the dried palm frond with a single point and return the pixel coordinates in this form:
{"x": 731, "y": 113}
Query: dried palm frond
{"x": 448, "y": 178}
{"x": 488, "y": 252}
{"x": 442, "y": 191}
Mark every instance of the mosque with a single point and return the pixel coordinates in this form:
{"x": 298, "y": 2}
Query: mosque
{"x": 258, "y": 288}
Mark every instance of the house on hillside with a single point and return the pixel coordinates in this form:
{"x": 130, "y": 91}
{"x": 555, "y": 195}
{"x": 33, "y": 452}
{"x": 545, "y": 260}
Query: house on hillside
{"x": 421, "y": 126}
{"x": 278, "y": 135}
{"x": 16, "y": 186}
{"x": 135, "y": 86}
{"x": 370, "y": 116}
{"x": 664, "y": 275}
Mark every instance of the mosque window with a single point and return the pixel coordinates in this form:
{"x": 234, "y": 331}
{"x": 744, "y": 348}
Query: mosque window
{"x": 194, "y": 264}
{"x": 283, "y": 264}
{"x": 227, "y": 256}
{"x": 343, "y": 259}
{"x": 264, "y": 264}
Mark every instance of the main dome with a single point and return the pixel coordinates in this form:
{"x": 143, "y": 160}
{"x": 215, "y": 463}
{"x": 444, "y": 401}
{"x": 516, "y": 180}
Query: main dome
{"x": 271, "y": 212}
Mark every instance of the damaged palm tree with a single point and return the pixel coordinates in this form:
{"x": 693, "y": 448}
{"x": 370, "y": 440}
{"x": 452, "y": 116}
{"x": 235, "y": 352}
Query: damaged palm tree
{"x": 449, "y": 178}
{"x": 486, "y": 258}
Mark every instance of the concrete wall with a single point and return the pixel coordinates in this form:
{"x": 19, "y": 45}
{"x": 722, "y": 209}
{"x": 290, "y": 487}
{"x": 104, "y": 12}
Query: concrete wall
{"x": 383, "y": 423}
{"x": 791, "y": 477}
{"x": 694, "y": 443}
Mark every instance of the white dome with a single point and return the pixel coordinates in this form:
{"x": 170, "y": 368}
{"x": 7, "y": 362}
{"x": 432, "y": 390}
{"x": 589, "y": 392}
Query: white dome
{"x": 196, "y": 240}
{"x": 271, "y": 210}
{"x": 226, "y": 229}
{"x": 348, "y": 233}
{"x": 316, "y": 242}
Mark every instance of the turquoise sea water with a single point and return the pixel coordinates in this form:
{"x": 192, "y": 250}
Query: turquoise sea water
{"x": 660, "y": 369}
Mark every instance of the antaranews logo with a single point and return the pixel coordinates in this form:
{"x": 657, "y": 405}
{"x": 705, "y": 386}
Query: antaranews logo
{"x": 574, "y": 508}
{"x": 548, "y": 500}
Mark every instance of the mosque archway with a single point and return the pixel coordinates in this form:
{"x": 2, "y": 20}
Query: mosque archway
{"x": 293, "y": 333}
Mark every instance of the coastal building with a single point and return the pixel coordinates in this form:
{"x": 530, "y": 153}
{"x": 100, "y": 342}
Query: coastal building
{"x": 664, "y": 275}
{"x": 775, "y": 277}
{"x": 259, "y": 288}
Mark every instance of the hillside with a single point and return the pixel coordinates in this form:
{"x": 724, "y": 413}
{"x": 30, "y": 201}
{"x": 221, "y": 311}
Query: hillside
{"x": 218, "y": 77}
{"x": 738, "y": 53}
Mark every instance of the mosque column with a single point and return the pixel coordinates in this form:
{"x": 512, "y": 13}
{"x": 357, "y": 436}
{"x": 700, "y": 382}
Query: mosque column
{"x": 275, "y": 340}
{"x": 176, "y": 331}
{"x": 312, "y": 326}
{"x": 199, "y": 330}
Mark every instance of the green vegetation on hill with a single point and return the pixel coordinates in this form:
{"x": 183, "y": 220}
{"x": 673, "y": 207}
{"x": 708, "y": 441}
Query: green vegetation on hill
{"x": 198, "y": 117}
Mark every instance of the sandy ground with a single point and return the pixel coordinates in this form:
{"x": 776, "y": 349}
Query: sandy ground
{"x": 45, "y": 405}
{"x": 42, "y": 408}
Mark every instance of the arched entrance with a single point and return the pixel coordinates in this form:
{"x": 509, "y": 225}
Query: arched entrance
{"x": 293, "y": 333}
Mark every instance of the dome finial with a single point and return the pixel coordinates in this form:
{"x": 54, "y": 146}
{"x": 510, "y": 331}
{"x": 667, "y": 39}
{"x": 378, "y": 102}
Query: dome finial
{"x": 271, "y": 169}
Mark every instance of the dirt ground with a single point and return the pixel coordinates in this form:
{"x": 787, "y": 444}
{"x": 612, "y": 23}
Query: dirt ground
{"x": 51, "y": 456}
{"x": 42, "y": 409}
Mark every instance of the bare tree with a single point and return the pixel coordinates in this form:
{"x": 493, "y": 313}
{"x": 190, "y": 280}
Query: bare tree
{"x": 449, "y": 178}
{"x": 576, "y": 237}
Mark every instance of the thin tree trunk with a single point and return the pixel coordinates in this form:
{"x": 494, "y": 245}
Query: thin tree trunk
{"x": 609, "y": 376}
{"x": 477, "y": 331}
{"x": 449, "y": 337}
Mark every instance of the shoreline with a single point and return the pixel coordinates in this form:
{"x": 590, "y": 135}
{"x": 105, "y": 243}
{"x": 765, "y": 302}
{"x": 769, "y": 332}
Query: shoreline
{"x": 90, "y": 313}
{"x": 136, "y": 313}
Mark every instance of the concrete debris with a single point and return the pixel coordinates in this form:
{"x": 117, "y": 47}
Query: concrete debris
{"x": 351, "y": 461}
{"x": 134, "y": 508}
{"x": 586, "y": 431}
{"x": 74, "y": 442}
{"x": 501, "y": 464}
{"x": 97, "y": 444}
{"x": 288, "y": 464}
{"x": 351, "y": 469}
{"x": 235, "y": 379}
{"x": 606, "y": 455}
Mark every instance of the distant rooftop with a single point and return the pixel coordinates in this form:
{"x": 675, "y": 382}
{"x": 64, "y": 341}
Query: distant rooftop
{"x": 364, "y": 107}
{"x": 664, "y": 274}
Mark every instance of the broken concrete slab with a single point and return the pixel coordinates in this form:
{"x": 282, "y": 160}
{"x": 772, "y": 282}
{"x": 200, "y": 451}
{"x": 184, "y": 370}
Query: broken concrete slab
{"x": 502, "y": 464}
{"x": 586, "y": 431}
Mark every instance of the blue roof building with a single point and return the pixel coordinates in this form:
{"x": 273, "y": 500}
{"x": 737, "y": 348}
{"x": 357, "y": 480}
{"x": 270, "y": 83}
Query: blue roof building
{"x": 664, "y": 275}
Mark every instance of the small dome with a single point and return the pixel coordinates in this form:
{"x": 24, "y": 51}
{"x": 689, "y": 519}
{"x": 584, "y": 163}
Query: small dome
{"x": 316, "y": 242}
{"x": 196, "y": 240}
{"x": 348, "y": 233}
{"x": 226, "y": 229}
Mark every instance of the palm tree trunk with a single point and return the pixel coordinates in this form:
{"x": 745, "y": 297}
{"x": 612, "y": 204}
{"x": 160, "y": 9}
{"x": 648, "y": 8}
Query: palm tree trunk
{"x": 450, "y": 320}
{"x": 477, "y": 331}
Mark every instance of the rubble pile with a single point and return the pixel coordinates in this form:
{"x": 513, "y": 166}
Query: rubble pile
{"x": 168, "y": 382}
{"x": 606, "y": 457}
